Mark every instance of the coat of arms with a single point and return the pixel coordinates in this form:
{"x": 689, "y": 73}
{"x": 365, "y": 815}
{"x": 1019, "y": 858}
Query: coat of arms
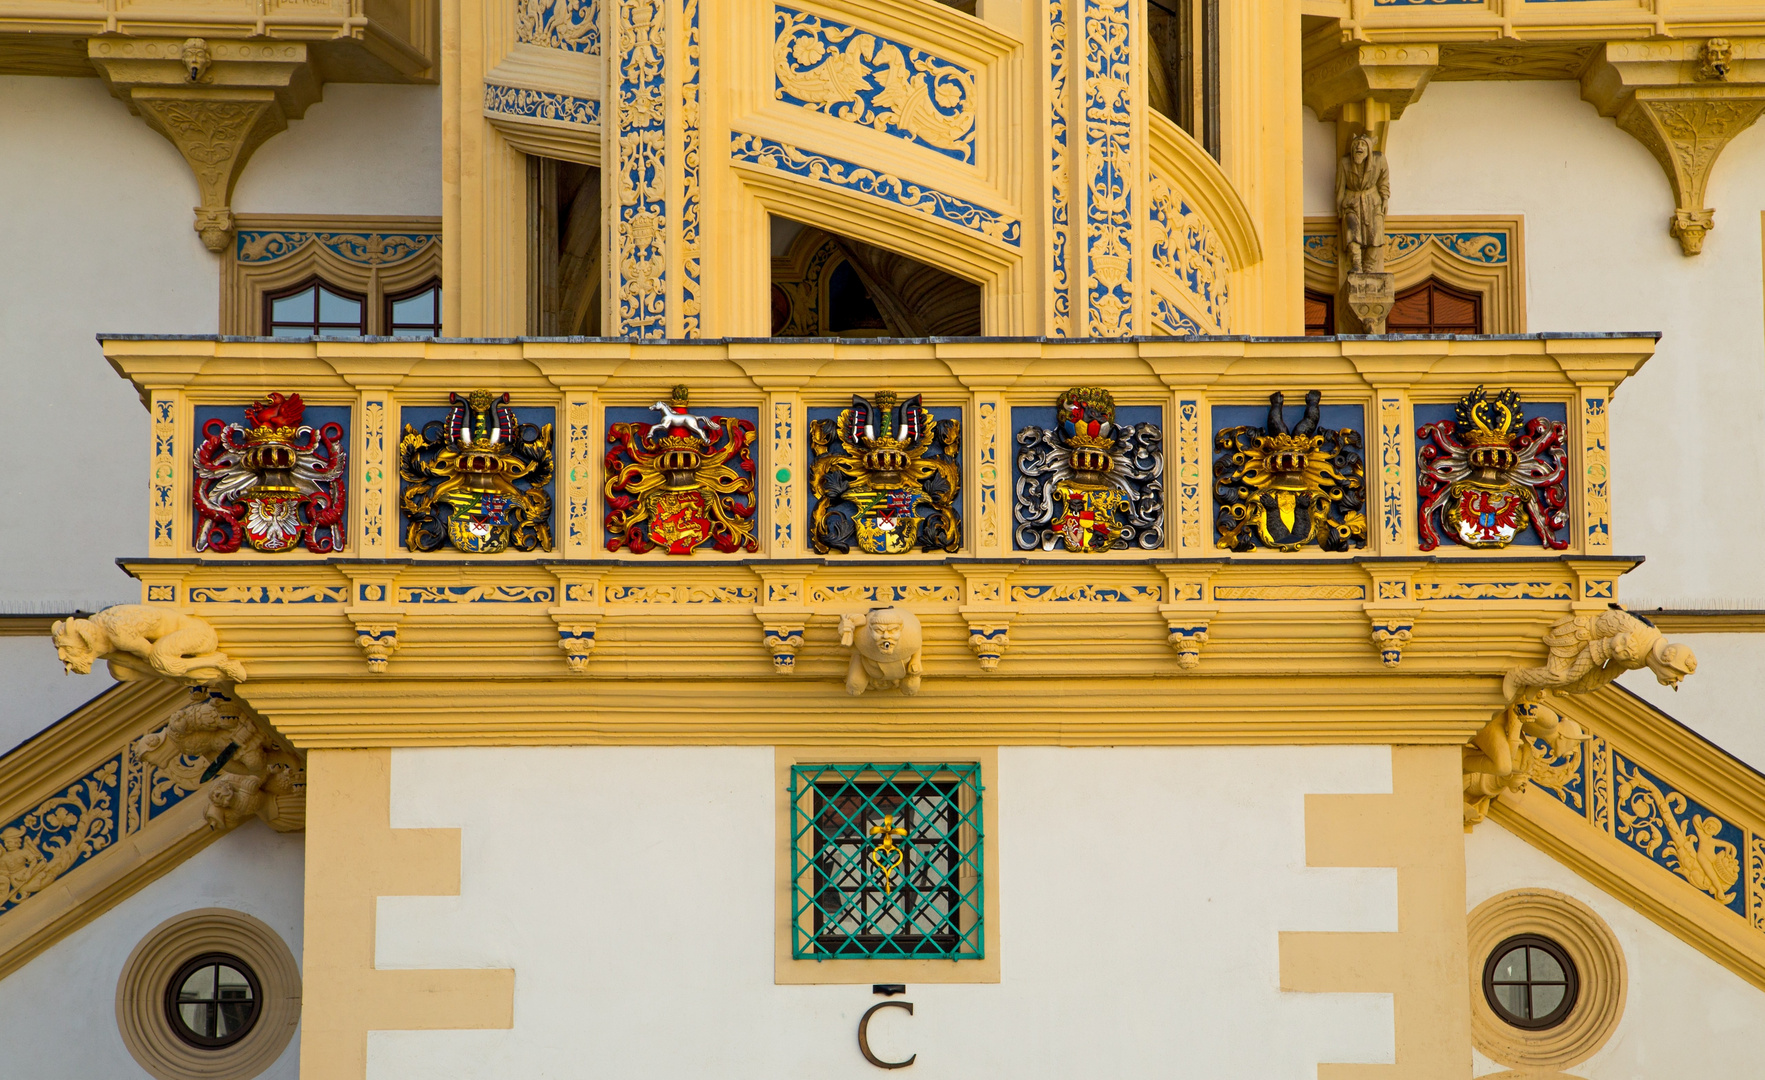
{"x": 890, "y": 483}
{"x": 272, "y": 481}
{"x": 478, "y": 479}
{"x": 1287, "y": 488}
{"x": 1090, "y": 484}
{"x": 1490, "y": 473}
{"x": 681, "y": 482}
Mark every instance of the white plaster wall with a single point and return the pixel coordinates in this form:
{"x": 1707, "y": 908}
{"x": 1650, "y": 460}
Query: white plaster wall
{"x": 37, "y": 692}
{"x": 631, "y": 889}
{"x": 1684, "y": 1015}
{"x": 365, "y": 149}
{"x": 1722, "y": 700}
{"x": 58, "y": 1013}
{"x": 1598, "y": 257}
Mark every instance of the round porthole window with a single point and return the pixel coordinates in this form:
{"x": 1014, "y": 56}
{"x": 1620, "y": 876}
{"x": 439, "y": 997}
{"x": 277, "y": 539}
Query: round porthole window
{"x": 1530, "y": 982}
{"x": 213, "y": 1001}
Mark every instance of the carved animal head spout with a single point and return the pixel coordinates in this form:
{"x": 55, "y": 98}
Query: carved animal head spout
{"x": 1718, "y": 54}
{"x": 1671, "y": 662}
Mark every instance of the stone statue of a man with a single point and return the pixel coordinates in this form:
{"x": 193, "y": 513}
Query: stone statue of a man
{"x": 1363, "y": 187}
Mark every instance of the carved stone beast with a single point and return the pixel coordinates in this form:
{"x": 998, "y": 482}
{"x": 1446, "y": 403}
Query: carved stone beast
{"x": 886, "y": 650}
{"x": 140, "y": 641}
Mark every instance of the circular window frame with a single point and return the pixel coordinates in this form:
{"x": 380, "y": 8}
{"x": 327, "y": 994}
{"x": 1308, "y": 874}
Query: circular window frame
{"x": 173, "y": 1001}
{"x": 1597, "y": 962}
{"x": 145, "y": 985}
{"x": 1571, "y": 981}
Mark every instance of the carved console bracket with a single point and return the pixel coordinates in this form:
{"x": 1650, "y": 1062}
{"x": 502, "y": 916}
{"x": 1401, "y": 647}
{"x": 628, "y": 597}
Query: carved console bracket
{"x": 1586, "y": 652}
{"x": 1364, "y": 87}
{"x": 578, "y": 615}
{"x": 989, "y": 635}
{"x": 781, "y": 632}
{"x": 1190, "y": 612}
{"x": 1391, "y": 632}
{"x": 1684, "y": 100}
{"x": 1188, "y": 633}
{"x": 576, "y": 638}
{"x": 378, "y": 641}
{"x": 216, "y": 101}
{"x": 255, "y": 772}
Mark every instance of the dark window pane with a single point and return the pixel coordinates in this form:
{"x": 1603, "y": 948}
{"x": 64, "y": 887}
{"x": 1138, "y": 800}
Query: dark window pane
{"x": 418, "y": 309}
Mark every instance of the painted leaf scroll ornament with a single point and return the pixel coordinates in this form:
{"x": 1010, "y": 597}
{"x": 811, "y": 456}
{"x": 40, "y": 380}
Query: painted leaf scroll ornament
{"x": 272, "y": 482}
{"x": 1090, "y": 484}
{"x": 885, "y": 479}
{"x": 1489, "y": 474}
{"x": 1287, "y": 488}
{"x": 477, "y": 481}
{"x": 682, "y": 482}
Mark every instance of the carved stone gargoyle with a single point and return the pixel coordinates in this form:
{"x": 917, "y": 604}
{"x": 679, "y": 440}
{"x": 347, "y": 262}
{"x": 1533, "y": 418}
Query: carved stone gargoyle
{"x": 887, "y": 650}
{"x": 141, "y": 642}
{"x": 1586, "y": 653}
{"x": 253, "y": 773}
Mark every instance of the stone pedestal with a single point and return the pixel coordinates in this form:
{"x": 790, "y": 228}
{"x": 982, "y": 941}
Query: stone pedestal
{"x": 1364, "y": 301}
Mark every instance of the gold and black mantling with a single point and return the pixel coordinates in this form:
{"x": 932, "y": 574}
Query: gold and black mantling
{"x": 477, "y": 480}
{"x": 1089, "y": 484}
{"x": 1288, "y": 489}
{"x": 885, "y": 479}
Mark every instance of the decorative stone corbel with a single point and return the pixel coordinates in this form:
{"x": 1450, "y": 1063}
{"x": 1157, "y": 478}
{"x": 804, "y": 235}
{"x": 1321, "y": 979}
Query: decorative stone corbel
{"x": 1190, "y": 611}
{"x": 1684, "y": 100}
{"x": 988, "y": 639}
{"x": 1390, "y": 634}
{"x": 1187, "y": 636}
{"x": 578, "y": 613}
{"x": 782, "y": 634}
{"x": 217, "y": 101}
{"x": 1364, "y": 87}
{"x": 254, "y": 772}
{"x": 781, "y": 612}
{"x": 1501, "y": 759}
{"x": 378, "y": 641}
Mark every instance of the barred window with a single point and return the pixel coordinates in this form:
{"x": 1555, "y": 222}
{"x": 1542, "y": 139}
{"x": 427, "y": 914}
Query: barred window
{"x": 886, "y": 861}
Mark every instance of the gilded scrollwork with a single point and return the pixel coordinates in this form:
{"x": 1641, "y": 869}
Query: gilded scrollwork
{"x": 541, "y": 105}
{"x": 864, "y": 78}
{"x": 1664, "y": 825}
{"x": 477, "y": 480}
{"x": 885, "y": 477}
{"x": 1090, "y": 484}
{"x": 1059, "y": 171}
{"x": 1288, "y": 488}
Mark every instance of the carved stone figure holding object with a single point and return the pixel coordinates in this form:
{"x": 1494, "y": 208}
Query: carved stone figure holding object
{"x": 1501, "y": 758}
{"x": 1363, "y": 188}
{"x": 1589, "y": 651}
{"x": 142, "y": 642}
{"x": 887, "y": 650}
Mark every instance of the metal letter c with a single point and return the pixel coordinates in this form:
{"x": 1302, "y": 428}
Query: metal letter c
{"x": 864, "y": 1035}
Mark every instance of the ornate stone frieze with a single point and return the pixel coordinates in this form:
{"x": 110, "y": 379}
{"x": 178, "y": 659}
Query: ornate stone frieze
{"x": 865, "y": 78}
{"x": 1287, "y": 488}
{"x": 215, "y": 101}
{"x": 142, "y": 642}
{"x": 885, "y": 477}
{"x": 477, "y": 480}
{"x": 682, "y": 482}
{"x": 1489, "y": 474}
{"x": 1109, "y": 190}
{"x": 1089, "y": 484}
{"x": 274, "y": 481}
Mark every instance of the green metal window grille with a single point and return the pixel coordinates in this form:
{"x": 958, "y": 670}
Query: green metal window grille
{"x": 886, "y": 861}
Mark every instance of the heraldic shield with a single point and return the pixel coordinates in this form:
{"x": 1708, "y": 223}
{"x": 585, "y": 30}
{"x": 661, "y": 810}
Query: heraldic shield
{"x": 1489, "y": 474}
{"x": 272, "y": 482}
{"x": 885, "y": 479}
{"x": 681, "y": 482}
{"x": 1288, "y": 488}
{"x": 1090, "y": 484}
{"x": 478, "y": 480}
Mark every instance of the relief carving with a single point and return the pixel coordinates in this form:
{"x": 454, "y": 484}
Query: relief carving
{"x": 887, "y": 650}
{"x": 253, "y": 773}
